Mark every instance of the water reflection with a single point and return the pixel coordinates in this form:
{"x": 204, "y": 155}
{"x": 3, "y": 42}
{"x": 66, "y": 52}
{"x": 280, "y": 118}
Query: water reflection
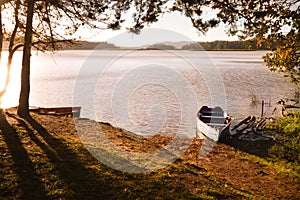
{"x": 53, "y": 78}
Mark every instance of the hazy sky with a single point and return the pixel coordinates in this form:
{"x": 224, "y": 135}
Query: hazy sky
{"x": 171, "y": 27}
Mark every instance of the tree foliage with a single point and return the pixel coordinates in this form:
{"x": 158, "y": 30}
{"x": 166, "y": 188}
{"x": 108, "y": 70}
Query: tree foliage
{"x": 195, "y": 10}
{"x": 57, "y": 21}
{"x": 286, "y": 57}
{"x": 143, "y": 12}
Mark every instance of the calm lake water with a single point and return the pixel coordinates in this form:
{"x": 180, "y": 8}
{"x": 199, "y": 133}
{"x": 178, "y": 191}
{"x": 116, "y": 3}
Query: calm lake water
{"x": 150, "y": 91}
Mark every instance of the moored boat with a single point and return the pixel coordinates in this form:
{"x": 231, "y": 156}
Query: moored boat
{"x": 75, "y": 111}
{"x": 212, "y": 123}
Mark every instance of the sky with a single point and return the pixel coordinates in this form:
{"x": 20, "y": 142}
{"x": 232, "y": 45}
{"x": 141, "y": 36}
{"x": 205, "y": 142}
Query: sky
{"x": 171, "y": 27}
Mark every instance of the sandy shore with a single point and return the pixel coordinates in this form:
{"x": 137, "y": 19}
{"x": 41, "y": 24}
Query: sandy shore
{"x": 46, "y": 158}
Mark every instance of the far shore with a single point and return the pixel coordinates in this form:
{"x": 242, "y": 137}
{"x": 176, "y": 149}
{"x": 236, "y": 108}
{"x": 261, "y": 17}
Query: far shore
{"x": 169, "y": 46}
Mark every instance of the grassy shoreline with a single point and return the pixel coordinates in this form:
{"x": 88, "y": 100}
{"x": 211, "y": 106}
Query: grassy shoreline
{"x": 45, "y": 158}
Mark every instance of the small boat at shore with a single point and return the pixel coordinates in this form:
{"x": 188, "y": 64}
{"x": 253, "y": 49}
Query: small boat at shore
{"x": 212, "y": 123}
{"x": 75, "y": 111}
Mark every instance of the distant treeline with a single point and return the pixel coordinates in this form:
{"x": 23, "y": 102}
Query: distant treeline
{"x": 79, "y": 45}
{"x": 196, "y": 46}
{"x": 224, "y": 45}
{"x": 84, "y": 45}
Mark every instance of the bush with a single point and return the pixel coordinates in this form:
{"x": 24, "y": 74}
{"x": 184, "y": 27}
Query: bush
{"x": 288, "y": 140}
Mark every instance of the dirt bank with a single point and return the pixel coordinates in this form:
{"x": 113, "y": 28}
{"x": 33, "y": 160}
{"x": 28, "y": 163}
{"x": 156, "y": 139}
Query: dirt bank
{"x": 45, "y": 158}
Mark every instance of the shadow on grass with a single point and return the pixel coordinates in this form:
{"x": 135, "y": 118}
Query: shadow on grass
{"x": 30, "y": 185}
{"x": 76, "y": 181}
{"x": 81, "y": 182}
{"x": 50, "y": 167}
{"x": 259, "y": 147}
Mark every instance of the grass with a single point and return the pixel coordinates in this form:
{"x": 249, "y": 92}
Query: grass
{"x": 254, "y": 98}
{"x": 59, "y": 167}
{"x": 280, "y": 166}
{"x": 51, "y": 162}
{"x": 287, "y": 146}
{"x": 284, "y": 155}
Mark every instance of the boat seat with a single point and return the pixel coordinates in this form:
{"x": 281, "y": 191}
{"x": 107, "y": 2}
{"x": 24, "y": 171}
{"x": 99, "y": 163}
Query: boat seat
{"x": 213, "y": 119}
{"x": 212, "y": 111}
{"x": 216, "y": 124}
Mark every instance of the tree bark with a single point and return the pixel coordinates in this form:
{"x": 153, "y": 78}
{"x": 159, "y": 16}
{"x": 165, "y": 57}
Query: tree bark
{"x": 23, "y": 108}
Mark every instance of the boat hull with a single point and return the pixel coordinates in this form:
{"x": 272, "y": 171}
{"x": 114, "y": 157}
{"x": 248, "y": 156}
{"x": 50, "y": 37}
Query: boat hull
{"x": 75, "y": 111}
{"x": 211, "y": 125}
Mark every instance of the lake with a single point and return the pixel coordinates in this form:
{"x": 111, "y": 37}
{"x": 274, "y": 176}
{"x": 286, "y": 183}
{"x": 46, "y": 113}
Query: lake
{"x": 150, "y": 91}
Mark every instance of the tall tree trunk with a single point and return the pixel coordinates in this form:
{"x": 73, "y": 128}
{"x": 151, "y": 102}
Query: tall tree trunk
{"x": 23, "y": 108}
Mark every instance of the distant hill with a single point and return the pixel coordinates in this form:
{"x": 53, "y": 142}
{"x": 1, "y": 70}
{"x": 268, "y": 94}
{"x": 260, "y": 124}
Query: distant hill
{"x": 84, "y": 45}
{"x": 181, "y": 45}
{"x": 160, "y": 46}
{"x": 79, "y": 45}
{"x": 205, "y": 46}
{"x": 177, "y": 45}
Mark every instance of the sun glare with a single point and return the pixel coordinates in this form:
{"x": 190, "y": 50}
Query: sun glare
{"x": 12, "y": 89}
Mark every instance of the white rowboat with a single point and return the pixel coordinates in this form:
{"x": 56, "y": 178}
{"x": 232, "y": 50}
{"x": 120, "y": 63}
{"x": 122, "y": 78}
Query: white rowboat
{"x": 212, "y": 123}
